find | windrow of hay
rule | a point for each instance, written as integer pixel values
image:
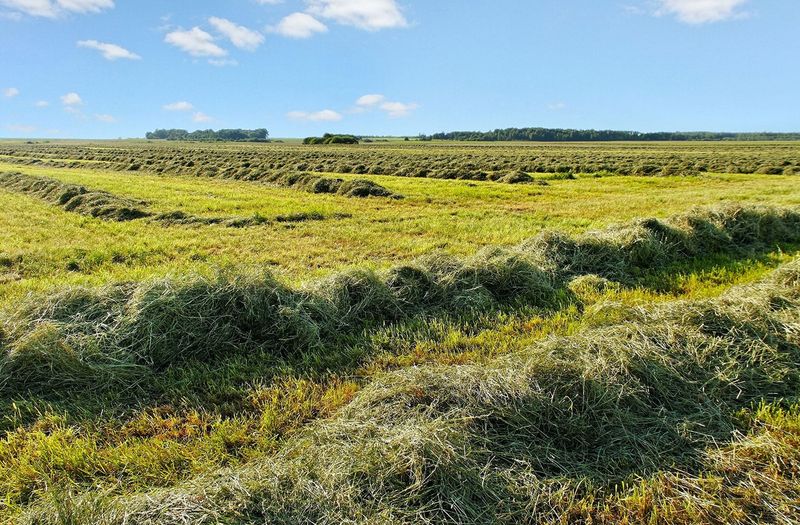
(158, 323)
(74, 198)
(623, 252)
(474, 161)
(673, 416)
(107, 206)
(181, 218)
(318, 184)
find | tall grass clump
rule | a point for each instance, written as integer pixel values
(313, 183)
(683, 413)
(74, 198)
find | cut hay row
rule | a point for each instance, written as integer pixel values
(684, 413)
(95, 338)
(317, 184)
(176, 218)
(107, 206)
(434, 160)
(297, 180)
(75, 198)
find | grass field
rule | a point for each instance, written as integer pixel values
(476, 351)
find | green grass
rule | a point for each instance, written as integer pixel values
(640, 417)
(43, 246)
(636, 375)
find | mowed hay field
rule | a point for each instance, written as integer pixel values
(399, 333)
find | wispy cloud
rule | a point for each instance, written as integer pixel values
(179, 106)
(71, 100)
(10, 92)
(399, 109)
(701, 11)
(240, 36)
(201, 117)
(56, 8)
(223, 62)
(326, 115)
(109, 51)
(377, 101)
(368, 101)
(370, 15)
(195, 42)
(108, 119)
(299, 25)
(42, 104)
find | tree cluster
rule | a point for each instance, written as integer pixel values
(332, 139)
(591, 135)
(223, 135)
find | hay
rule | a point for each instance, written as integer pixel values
(313, 183)
(516, 177)
(566, 427)
(168, 321)
(163, 322)
(76, 199)
(358, 297)
(591, 286)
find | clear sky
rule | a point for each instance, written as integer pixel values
(118, 68)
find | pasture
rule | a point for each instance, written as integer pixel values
(399, 332)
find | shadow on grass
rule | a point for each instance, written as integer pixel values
(221, 385)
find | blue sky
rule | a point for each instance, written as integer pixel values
(118, 68)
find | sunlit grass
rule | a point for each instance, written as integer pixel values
(44, 247)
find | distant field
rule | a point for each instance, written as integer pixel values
(460, 160)
(43, 245)
(495, 329)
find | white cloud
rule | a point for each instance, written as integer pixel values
(398, 109)
(71, 99)
(300, 25)
(108, 119)
(201, 117)
(196, 42)
(556, 106)
(41, 103)
(240, 36)
(43, 8)
(700, 11)
(179, 106)
(10, 92)
(85, 6)
(326, 115)
(371, 15)
(370, 100)
(55, 8)
(269, 2)
(109, 51)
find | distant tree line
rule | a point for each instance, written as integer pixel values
(226, 135)
(591, 135)
(332, 139)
